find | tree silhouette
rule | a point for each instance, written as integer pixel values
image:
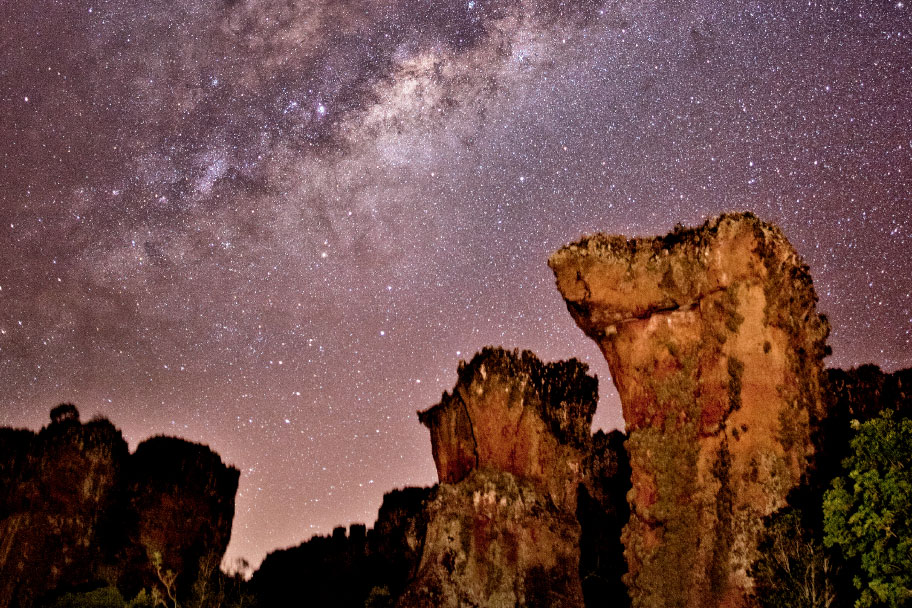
(65, 412)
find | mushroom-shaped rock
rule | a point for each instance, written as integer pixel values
(716, 348)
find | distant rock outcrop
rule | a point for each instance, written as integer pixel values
(77, 510)
(510, 443)
(362, 567)
(716, 348)
(859, 394)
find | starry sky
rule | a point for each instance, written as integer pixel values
(275, 226)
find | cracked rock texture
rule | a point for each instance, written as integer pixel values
(510, 412)
(510, 443)
(716, 348)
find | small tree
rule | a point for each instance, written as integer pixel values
(65, 412)
(168, 580)
(793, 568)
(868, 512)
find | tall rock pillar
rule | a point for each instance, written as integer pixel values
(510, 443)
(716, 349)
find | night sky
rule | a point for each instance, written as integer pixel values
(275, 226)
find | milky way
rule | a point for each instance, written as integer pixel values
(275, 227)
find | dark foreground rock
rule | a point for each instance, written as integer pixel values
(353, 569)
(77, 510)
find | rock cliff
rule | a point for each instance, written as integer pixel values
(180, 504)
(60, 490)
(77, 509)
(716, 348)
(510, 412)
(510, 443)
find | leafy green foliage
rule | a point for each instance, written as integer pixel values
(105, 597)
(867, 513)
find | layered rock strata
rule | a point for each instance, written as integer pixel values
(716, 348)
(77, 510)
(509, 443)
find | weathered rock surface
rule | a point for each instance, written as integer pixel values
(494, 539)
(67, 519)
(510, 443)
(716, 348)
(510, 412)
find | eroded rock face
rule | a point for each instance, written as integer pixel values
(495, 540)
(509, 443)
(510, 412)
(67, 519)
(716, 348)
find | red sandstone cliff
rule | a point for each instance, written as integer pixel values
(509, 443)
(716, 349)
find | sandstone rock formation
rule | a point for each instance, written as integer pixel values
(510, 444)
(495, 540)
(60, 488)
(716, 348)
(510, 412)
(67, 518)
(180, 498)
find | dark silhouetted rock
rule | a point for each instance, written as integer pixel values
(716, 349)
(603, 512)
(856, 394)
(180, 497)
(345, 570)
(76, 509)
(59, 490)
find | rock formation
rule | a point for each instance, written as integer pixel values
(77, 510)
(355, 569)
(180, 497)
(528, 506)
(716, 348)
(60, 488)
(510, 444)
